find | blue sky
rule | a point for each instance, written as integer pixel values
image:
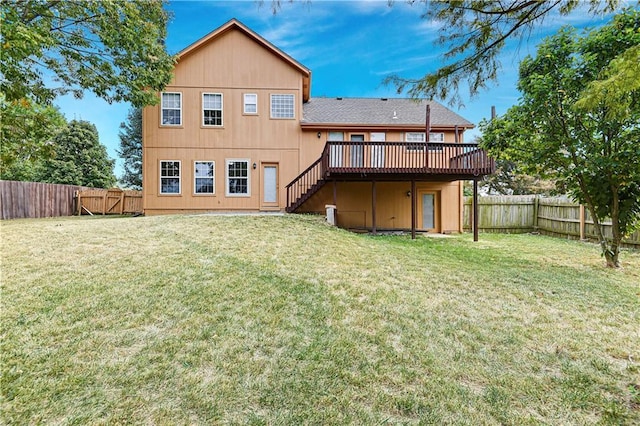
(350, 47)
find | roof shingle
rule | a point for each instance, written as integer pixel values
(378, 112)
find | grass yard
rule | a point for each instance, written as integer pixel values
(285, 320)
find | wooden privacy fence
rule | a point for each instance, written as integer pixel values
(35, 199)
(108, 201)
(557, 216)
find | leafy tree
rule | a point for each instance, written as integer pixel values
(131, 149)
(26, 133)
(113, 48)
(589, 147)
(47, 48)
(78, 158)
(475, 32)
(616, 87)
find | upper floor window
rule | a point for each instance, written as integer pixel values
(436, 137)
(282, 106)
(204, 172)
(335, 136)
(169, 177)
(418, 138)
(250, 103)
(171, 109)
(212, 109)
(414, 137)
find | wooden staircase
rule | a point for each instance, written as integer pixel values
(305, 185)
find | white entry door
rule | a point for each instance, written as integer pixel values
(270, 185)
(430, 210)
(336, 151)
(377, 151)
(357, 151)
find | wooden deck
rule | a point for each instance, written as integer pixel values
(389, 161)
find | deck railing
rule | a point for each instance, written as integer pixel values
(406, 157)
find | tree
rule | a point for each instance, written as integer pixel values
(131, 149)
(588, 147)
(614, 90)
(474, 32)
(113, 48)
(78, 158)
(26, 133)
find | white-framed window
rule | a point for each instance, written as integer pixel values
(171, 109)
(204, 177)
(169, 177)
(414, 137)
(436, 137)
(282, 106)
(212, 109)
(415, 141)
(418, 140)
(237, 176)
(250, 103)
(335, 136)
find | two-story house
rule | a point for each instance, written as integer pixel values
(237, 130)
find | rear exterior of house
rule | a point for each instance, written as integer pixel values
(237, 130)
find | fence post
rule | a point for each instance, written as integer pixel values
(536, 209)
(79, 198)
(582, 222)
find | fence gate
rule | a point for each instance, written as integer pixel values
(109, 201)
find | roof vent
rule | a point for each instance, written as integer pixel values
(383, 99)
(395, 115)
(339, 99)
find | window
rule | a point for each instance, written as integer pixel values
(212, 109)
(169, 177)
(335, 136)
(204, 172)
(250, 103)
(282, 106)
(436, 137)
(171, 109)
(414, 137)
(237, 177)
(418, 138)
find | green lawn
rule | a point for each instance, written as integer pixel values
(285, 320)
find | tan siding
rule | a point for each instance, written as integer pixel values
(187, 200)
(393, 205)
(247, 68)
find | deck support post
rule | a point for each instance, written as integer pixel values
(475, 210)
(413, 209)
(335, 199)
(335, 192)
(427, 132)
(373, 207)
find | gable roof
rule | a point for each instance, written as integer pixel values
(378, 112)
(234, 24)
